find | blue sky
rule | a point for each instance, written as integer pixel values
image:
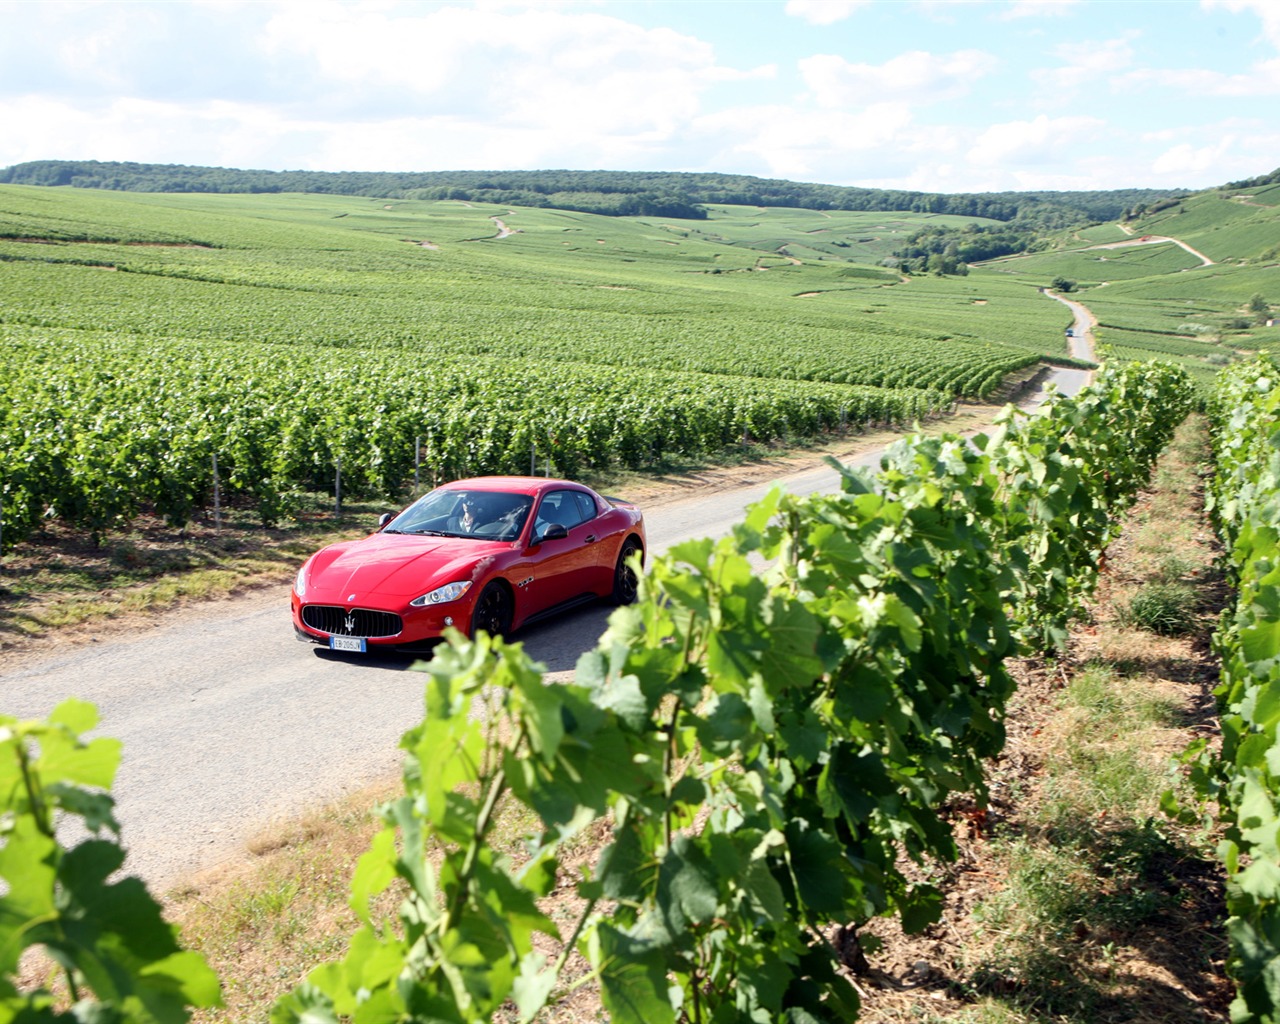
(936, 95)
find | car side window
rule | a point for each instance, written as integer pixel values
(560, 507)
(586, 505)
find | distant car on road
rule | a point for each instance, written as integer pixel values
(492, 553)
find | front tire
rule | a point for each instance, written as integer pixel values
(626, 583)
(493, 612)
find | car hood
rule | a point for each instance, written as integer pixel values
(396, 566)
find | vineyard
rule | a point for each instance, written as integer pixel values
(1095, 265)
(764, 759)
(164, 350)
(100, 427)
(761, 750)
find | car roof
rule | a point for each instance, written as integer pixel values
(513, 484)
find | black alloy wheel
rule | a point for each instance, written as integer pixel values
(493, 612)
(626, 584)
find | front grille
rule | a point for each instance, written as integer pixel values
(363, 621)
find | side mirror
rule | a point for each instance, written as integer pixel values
(385, 518)
(554, 531)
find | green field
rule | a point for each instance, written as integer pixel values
(344, 272)
(289, 333)
(1235, 225)
(1100, 234)
(1154, 300)
(1094, 266)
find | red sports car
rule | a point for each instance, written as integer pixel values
(492, 553)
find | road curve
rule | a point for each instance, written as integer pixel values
(1082, 340)
(228, 723)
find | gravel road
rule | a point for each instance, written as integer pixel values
(229, 723)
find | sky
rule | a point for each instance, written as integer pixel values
(928, 95)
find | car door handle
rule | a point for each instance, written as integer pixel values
(591, 539)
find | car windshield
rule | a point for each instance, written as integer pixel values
(487, 515)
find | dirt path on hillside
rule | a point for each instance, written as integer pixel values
(1083, 344)
(1154, 240)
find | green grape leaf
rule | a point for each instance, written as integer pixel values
(633, 978)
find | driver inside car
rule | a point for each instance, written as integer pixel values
(470, 516)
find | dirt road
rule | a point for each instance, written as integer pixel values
(1082, 341)
(1156, 240)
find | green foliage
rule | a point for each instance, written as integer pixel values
(1159, 301)
(765, 750)
(119, 959)
(1244, 777)
(1254, 183)
(1055, 510)
(96, 428)
(1090, 267)
(1223, 224)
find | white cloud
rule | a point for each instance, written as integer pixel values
(1268, 11)
(1036, 142)
(823, 12)
(1263, 79)
(1040, 8)
(1212, 153)
(573, 89)
(880, 141)
(575, 73)
(1191, 161)
(916, 77)
(388, 84)
(223, 134)
(1084, 62)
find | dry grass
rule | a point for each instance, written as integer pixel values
(265, 922)
(59, 583)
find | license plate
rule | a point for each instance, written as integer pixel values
(347, 643)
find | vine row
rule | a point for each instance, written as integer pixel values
(93, 430)
(1243, 777)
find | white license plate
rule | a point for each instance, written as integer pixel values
(347, 643)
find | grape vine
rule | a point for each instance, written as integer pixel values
(1244, 776)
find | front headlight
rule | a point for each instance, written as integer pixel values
(443, 595)
(300, 584)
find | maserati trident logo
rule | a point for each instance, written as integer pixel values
(349, 623)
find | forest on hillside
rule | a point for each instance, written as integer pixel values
(612, 193)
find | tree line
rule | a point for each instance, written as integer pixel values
(947, 250)
(612, 193)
